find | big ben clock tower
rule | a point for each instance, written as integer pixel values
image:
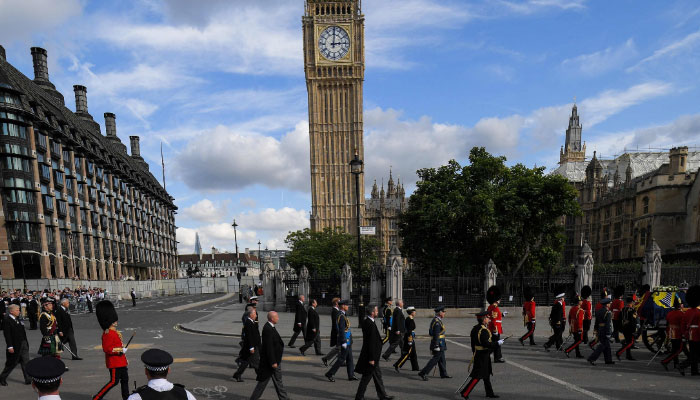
(334, 62)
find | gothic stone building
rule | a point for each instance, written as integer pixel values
(382, 211)
(74, 204)
(630, 199)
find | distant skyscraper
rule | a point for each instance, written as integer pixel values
(197, 245)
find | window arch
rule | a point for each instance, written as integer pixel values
(645, 205)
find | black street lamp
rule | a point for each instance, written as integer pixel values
(259, 257)
(235, 237)
(356, 169)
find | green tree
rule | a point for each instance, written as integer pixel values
(329, 250)
(462, 216)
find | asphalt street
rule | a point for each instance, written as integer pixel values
(205, 363)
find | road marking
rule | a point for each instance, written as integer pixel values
(294, 358)
(183, 360)
(133, 346)
(568, 385)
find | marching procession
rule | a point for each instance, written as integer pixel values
(613, 316)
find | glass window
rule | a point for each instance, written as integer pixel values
(56, 148)
(62, 207)
(41, 139)
(10, 98)
(59, 177)
(645, 205)
(16, 163)
(50, 240)
(45, 172)
(19, 196)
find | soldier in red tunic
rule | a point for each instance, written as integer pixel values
(529, 314)
(493, 296)
(691, 330)
(576, 317)
(587, 311)
(617, 305)
(113, 347)
(674, 333)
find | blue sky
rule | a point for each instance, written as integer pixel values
(221, 84)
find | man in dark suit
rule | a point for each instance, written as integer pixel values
(398, 327)
(17, 351)
(250, 344)
(65, 327)
(313, 330)
(270, 359)
(133, 297)
(32, 312)
(299, 321)
(334, 333)
(368, 363)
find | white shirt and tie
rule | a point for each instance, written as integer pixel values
(159, 385)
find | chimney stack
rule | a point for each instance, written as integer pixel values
(135, 149)
(81, 106)
(41, 68)
(111, 125)
(2, 53)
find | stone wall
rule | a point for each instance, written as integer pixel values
(163, 287)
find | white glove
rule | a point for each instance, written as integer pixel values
(124, 350)
(344, 345)
(436, 349)
(500, 342)
(505, 312)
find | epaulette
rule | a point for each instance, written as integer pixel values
(139, 389)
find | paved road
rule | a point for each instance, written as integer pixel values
(205, 363)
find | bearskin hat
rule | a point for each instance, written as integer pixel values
(604, 293)
(693, 296)
(575, 299)
(106, 314)
(528, 293)
(493, 294)
(619, 291)
(643, 289)
(586, 292)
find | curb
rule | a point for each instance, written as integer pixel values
(200, 303)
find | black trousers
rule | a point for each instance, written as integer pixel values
(345, 357)
(133, 301)
(530, 333)
(603, 347)
(33, 319)
(586, 328)
(394, 341)
(497, 351)
(676, 348)
(334, 351)
(408, 353)
(296, 334)
(472, 383)
(375, 375)
(276, 380)
(89, 303)
(627, 347)
(693, 357)
(556, 338)
(578, 339)
(69, 339)
(116, 375)
(313, 341)
(243, 364)
(439, 359)
(616, 330)
(21, 357)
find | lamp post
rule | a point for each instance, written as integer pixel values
(259, 257)
(235, 237)
(356, 169)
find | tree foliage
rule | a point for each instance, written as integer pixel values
(462, 216)
(329, 250)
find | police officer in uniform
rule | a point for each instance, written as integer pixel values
(408, 351)
(46, 376)
(603, 329)
(482, 346)
(157, 365)
(438, 346)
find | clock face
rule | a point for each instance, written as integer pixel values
(334, 43)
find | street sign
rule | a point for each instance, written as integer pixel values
(368, 230)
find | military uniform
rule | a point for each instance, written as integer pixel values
(628, 325)
(408, 350)
(114, 350)
(617, 305)
(438, 346)
(345, 343)
(49, 334)
(557, 319)
(576, 318)
(387, 316)
(691, 330)
(529, 317)
(674, 333)
(482, 345)
(603, 330)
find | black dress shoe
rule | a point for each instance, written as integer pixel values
(618, 357)
(533, 344)
(521, 342)
(546, 348)
(320, 354)
(579, 356)
(76, 358)
(610, 363)
(302, 352)
(446, 377)
(500, 360)
(566, 354)
(423, 377)
(325, 362)
(330, 378)
(630, 358)
(353, 378)
(387, 398)
(385, 358)
(396, 368)
(492, 396)
(591, 362)
(291, 346)
(3, 383)
(237, 378)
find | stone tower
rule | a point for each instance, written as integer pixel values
(334, 63)
(572, 150)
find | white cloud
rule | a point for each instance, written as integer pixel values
(611, 102)
(533, 6)
(601, 61)
(140, 78)
(21, 19)
(672, 49)
(140, 108)
(232, 160)
(206, 210)
(270, 219)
